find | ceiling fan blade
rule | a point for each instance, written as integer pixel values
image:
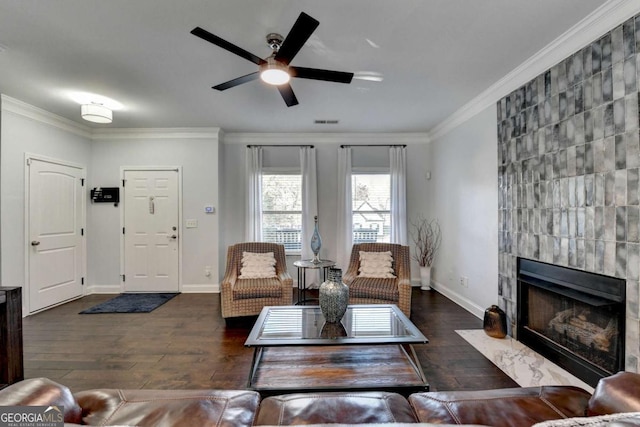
(288, 95)
(316, 74)
(237, 81)
(212, 38)
(297, 37)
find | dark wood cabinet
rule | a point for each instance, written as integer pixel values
(11, 356)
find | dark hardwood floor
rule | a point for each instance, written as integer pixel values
(186, 344)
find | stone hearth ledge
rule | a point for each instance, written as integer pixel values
(522, 364)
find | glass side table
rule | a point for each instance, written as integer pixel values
(308, 264)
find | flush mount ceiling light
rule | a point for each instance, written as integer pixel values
(96, 113)
(274, 72)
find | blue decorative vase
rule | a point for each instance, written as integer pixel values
(334, 296)
(316, 241)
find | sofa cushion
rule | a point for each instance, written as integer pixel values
(335, 407)
(616, 393)
(42, 392)
(232, 408)
(257, 288)
(382, 289)
(502, 407)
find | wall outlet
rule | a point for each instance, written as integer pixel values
(464, 281)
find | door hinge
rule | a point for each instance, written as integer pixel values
(123, 181)
(82, 281)
(122, 230)
(123, 278)
(82, 182)
(28, 162)
(82, 231)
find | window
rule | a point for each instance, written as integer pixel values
(282, 209)
(371, 194)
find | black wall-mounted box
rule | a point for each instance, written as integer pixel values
(105, 195)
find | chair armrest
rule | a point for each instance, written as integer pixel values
(285, 278)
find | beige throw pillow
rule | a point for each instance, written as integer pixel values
(376, 265)
(257, 265)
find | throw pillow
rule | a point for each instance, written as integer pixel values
(376, 265)
(257, 265)
(633, 418)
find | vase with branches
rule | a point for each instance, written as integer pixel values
(426, 236)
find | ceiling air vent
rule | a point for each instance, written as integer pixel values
(327, 122)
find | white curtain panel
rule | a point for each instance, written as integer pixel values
(309, 207)
(398, 177)
(344, 225)
(253, 214)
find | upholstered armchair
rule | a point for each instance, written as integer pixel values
(366, 290)
(246, 297)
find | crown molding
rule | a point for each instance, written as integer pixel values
(156, 133)
(325, 138)
(600, 21)
(21, 108)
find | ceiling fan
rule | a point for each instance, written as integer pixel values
(276, 69)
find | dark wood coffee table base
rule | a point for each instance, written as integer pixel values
(330, 368)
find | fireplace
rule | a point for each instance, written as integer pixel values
(574, 318)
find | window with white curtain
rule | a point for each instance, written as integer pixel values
(282, 208)
(371, 207)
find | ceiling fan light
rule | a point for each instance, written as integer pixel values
(274, 73)
(96, 113)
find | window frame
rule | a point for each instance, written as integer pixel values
(274, 170)
(370, 170)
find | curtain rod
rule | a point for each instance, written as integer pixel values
(375, 145)
(277, 146)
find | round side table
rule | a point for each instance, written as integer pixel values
(305, 264)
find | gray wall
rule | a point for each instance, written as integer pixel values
(24, 130)
(462, 196)
(569, 153)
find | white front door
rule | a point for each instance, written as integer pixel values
(55, 233)
(151, 231)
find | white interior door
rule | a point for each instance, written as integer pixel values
(55, 232)
(151, 231)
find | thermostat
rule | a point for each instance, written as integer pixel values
(209, 209)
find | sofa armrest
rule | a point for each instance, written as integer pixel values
(501, 407)
(42, 392)
(616, 393)
(205, 408)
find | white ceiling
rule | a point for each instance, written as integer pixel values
(434, 55)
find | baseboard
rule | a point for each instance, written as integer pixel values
(203, 288)
(103, 289)
(462, 301)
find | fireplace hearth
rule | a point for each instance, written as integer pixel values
(574, 318)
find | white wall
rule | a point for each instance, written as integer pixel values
(463, 196)
(233, 201)
(197, 154)
(26, 129)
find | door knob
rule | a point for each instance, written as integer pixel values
(34, 243)
(173, 236)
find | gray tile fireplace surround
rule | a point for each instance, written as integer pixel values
(568, 171)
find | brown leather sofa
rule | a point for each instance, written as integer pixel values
(618, 395)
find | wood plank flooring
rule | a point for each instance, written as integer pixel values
(186, 344)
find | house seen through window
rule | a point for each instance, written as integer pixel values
(282, 209)
(371, 195)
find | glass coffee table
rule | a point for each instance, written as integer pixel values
(370, 349)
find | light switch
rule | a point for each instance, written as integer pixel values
(192, 223)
